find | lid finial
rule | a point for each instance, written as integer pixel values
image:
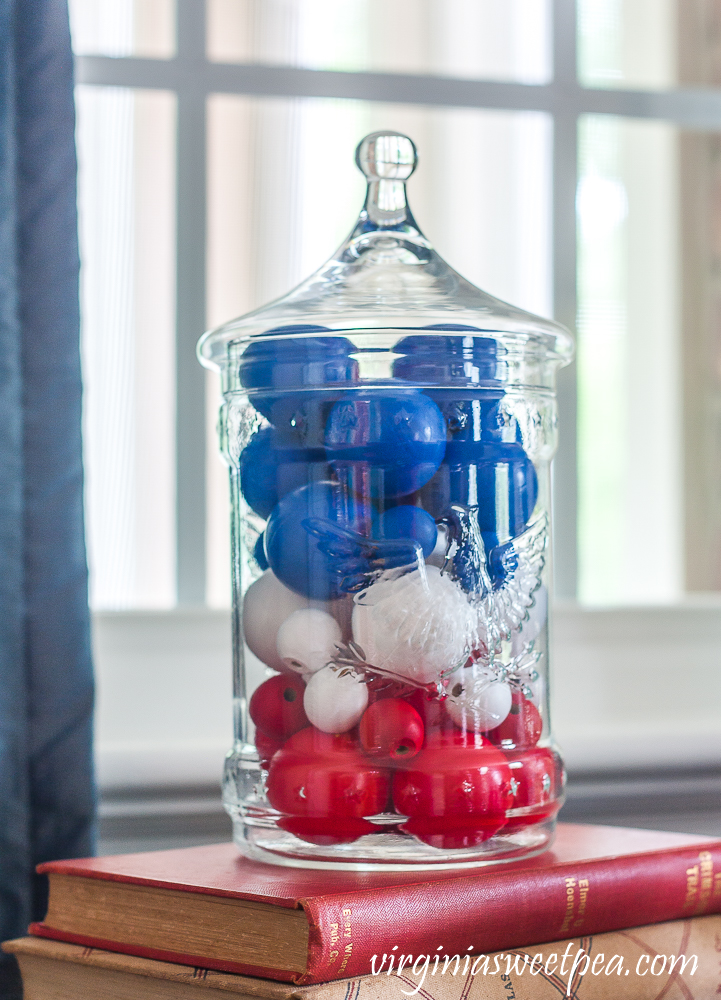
(387, 159)
(386, 156)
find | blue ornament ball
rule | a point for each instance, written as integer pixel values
(507, 489)
(268, 472)
(299, 420)
(500, 426)
(452, 361)
(499, 479)
(466, 414)
(407, 522)
(301, 544)
(465, 376)
(271, 369)
(385, 445)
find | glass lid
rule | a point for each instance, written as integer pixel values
(385, 278)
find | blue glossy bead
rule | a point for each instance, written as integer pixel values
(409, 522)
(385, 445)
(296, 555)
(299, 419)
(480, 415)
(499, 479)
(258, 475)
(469, 416)
(268, 473)
(464, 377)
(498, 424)
(439, 361)
(270, 369)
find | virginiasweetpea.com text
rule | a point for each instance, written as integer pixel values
(518, 963)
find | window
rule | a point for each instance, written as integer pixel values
(567, 164)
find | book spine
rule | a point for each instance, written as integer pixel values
(158, 954)
(352, 934)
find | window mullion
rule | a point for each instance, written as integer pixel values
(190, 305)
(565, 169)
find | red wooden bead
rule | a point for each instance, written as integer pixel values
(434, 716)
(455, 792)
(521, 728)
(325, 832)
(391, 729)
(276, 707)
(537, 784)
(322, 775)
(266, 747)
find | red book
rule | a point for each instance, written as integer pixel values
(210, 907)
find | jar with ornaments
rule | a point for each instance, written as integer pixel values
(388, 430)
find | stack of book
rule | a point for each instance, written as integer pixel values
(607, 912)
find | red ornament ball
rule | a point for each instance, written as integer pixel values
(276, 707)
(391, 729)
(537, 782)
(325, 776)
(324, 832)
(455, 793)
(432, 712)
(266, 747)
(522, 727)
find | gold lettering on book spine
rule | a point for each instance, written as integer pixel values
(691, 887)
(706, 863)
(701, 885)
(583, 890)
(570, 884)
(347, 934)
(334, 939)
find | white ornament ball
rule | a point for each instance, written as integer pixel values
(477, 701)
(334, 700)
(417, 626)
(266, 606)
(307, 640)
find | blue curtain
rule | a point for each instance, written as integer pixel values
(46, 688)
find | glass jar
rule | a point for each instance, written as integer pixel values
(389, 429)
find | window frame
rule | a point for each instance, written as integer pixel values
(192, 77)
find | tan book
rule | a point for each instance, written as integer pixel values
(678, 960)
